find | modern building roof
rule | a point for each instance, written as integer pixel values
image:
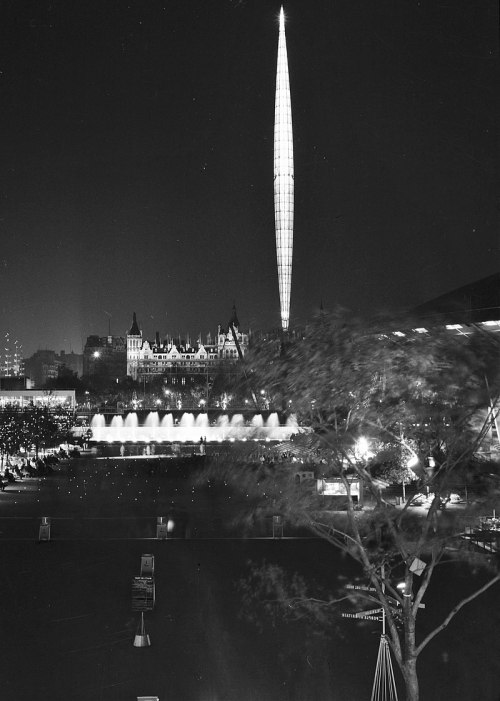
(474, 303)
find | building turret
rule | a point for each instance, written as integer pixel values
(227, 346)
(134, 329)
(234, 319)
(134, 345)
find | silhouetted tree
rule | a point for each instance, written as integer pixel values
(358, 389)
(11, 434)
(39, 428)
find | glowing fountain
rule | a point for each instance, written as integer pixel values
(98, 421)
(190, 427)
(151, 425)
(116, 422)
(130, 428)
(116, 425)
(167, 421)
(273, 420)
(237, 427)
(257, 424)
(202, 421)
(152, 420)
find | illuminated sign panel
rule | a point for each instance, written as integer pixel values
(336, 488)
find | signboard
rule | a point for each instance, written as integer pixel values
(371, 612)
(362, 587)
(417, 566)
(44, 532)
(161, 531)
(360, 616)
(147, 565)
(336, 488)
(143, 594)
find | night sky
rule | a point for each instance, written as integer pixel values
(137, 160)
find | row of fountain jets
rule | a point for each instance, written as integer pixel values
(190, 428)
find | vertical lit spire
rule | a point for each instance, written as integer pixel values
(283, 176)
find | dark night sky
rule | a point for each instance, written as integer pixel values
(137, 172)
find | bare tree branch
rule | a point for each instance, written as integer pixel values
(455, 610)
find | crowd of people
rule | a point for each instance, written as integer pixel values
(16, 468)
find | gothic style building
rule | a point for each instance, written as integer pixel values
(179, 361)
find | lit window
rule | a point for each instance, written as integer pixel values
(452, 327)
(398, 333)
(420, 330)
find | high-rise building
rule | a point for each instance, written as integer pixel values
(283, 176)
(11, 361)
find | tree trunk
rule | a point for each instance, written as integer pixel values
(411, 679)
(409, 667)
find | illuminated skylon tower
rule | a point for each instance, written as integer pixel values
(283, 177)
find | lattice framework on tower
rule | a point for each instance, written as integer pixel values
(283, 177)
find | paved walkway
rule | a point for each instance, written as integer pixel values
(68, 627)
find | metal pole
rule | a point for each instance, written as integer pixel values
(383, 591)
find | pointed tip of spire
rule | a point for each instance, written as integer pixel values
(134, 329)
(282, 18)
(234, 318)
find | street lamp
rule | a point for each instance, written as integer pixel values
(362, 449)
(407, 594)
(402, 588)
(410, 464)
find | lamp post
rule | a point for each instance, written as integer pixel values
(410, 464)
(405, 589)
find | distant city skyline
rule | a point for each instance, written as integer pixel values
(137, 145)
